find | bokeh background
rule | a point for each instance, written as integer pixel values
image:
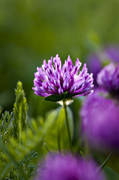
(31, 30)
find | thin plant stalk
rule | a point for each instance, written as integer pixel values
(67, 124)
(59, 140)
(106, 160)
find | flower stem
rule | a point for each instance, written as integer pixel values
(105, 161)
(58, 140)
(67, 124)
(58, 133)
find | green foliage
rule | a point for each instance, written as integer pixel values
(32, 30)
(12, 124)
(21, 151)
(31, 139)
(5, 133)
(5, 126)
(20, 111)
(57, 137)
(112, 175)
(22, 144)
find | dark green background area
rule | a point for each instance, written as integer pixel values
(31, 30)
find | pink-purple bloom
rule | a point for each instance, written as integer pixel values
(94, 65)
(100, 121)
(97, 60)
(108, 78)
(53, 78)
(112, 53)
(67, 167)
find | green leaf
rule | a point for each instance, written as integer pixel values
(111, 174)
(5, 126)
(10, 158)
(20, 111)
(33, 138)
(64, 132)
(57, 136)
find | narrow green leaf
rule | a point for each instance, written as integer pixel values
(20, 111)
(111, 174)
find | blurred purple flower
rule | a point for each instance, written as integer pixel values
(67, 167)
(112, 53)
(94, 65)
(108, 78)
(96, 61)
(54, 79)
(100, 121)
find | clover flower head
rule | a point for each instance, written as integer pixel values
(112, 53)
(108, 78)
(100, 119)
(67, 167)
(96, 61)
(53, 78)
(94, 65)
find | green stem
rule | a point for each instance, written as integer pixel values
(58, 133)
(67, 124)
(59, 141)
(105, 161)
(19, 122)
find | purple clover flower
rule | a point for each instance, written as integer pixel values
(53, 78)
(100, 119)
(108, 78)
(97, 60)
(67, 167)
(94, 65)
(112, 53)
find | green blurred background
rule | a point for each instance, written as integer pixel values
(31, 30)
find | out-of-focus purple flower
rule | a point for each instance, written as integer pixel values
(94, 65)
(112, 53)
(67, 167)
(53, 78)
(100, 121)
(97, 60)
(108, 78)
